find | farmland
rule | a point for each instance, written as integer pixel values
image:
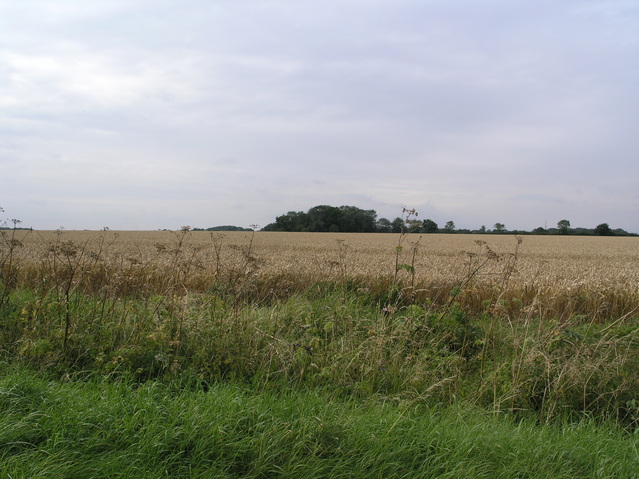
(596, 277)
(537, 329)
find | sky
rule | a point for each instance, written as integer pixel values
(153, 114)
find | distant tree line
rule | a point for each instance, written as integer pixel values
(328, 219)
(4, 224)
(223, 228)
(351, 219)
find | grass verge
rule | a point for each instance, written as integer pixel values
(103, 428)
(338, 337)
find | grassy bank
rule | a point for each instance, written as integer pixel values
(105, 428)
(336, 336)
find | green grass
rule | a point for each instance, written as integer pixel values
(337, 337)
(104, 428)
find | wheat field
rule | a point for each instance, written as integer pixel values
(568, 259)
(548, 276)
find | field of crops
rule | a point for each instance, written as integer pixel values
(549, 276)
(583, 258)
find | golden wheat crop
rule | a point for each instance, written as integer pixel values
(546, 275)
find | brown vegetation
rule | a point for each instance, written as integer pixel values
(546, 276)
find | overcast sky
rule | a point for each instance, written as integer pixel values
(147, 114)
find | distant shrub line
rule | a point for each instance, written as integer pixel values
(223, 228)
(351, 219)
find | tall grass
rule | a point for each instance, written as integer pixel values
(101, 429)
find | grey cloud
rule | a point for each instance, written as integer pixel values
(470, 110)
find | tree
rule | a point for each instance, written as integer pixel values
(563, 226)
(322, 217)
(603, 230)
(383, 225)
(291, 221)
(429, 226)
(450, 227)
(357, 220)
(499, 227)
(398, 225)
